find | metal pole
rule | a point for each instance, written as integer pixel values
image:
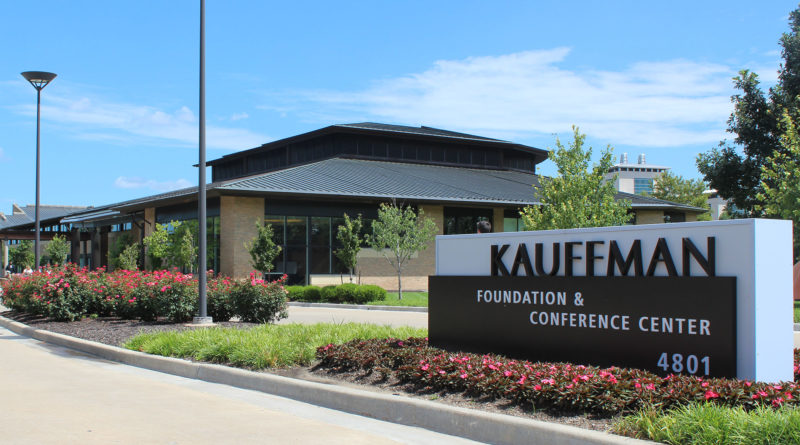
(201, 199)
(36, 211)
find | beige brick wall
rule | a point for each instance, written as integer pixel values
(649, 217)
(238, 218)
(375, 269)
(498, 216)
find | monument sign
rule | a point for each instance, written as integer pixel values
(706, 299)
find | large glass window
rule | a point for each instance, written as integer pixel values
(642, 186)
(308, 245)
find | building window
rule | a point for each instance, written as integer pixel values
(642, 186)
(674, 217)
(464, 220)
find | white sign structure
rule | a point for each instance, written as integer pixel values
(758, 252)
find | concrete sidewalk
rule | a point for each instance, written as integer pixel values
(55, 395)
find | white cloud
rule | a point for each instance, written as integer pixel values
(125, 182)
(239, 116)
(125, 123)
(667, 103)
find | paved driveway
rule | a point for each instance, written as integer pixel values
(55, 395)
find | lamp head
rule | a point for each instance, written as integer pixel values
(39, 79)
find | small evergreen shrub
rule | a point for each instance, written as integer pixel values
(296, 293)
(328, 294)
(312, 294)
(371, 292)
(347, 293)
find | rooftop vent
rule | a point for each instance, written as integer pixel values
(641, 159)
(623, 158)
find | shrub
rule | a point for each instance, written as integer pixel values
(296, 293)
(347, 293)
(218, 299)
(259, 301)
(328, 294)
(178, 300)
(312, 294)
(371, 292)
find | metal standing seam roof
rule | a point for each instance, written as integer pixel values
(379, 179)
(45, 213)
(358, 178)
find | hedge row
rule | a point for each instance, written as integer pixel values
(343, 293)
(68, 293)
(560, 386)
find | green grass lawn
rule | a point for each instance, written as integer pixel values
(265, 346)
(797, 311)
(409, 299)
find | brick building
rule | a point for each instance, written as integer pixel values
(303, 185)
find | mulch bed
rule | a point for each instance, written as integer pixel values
(114, 331)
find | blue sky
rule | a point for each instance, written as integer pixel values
(120, 120)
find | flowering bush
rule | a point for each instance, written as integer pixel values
(546, 385)
(68, 293)
(218, 299)
(259, 301)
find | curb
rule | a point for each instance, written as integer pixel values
(454, 421)
(359, 306)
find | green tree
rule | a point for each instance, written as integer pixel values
(184, 246)
(349, 235)
(736, 171)
(158, 245)
(128, 259)
(263, 249)
(781, 185)
(22, 255)
(398, 234)
(57, 249)
(675, 188)
(121, 242)
(576, 197)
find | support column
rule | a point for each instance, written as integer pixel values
(499, 214)
(75, 245)
(5, 257)
(149, 227)
(95, 248)
(237, 226)
(104, 246)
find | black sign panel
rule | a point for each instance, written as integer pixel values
(662, 324)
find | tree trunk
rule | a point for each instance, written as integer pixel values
(399, 286)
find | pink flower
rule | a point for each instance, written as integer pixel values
(522, 380)
(711, 394)
(507, 373)
(463, 376)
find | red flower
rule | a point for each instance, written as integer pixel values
(711, 394)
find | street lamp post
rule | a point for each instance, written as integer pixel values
(39, 80)
(203, 317)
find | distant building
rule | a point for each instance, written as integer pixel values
(634, 178)
(717, 203)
